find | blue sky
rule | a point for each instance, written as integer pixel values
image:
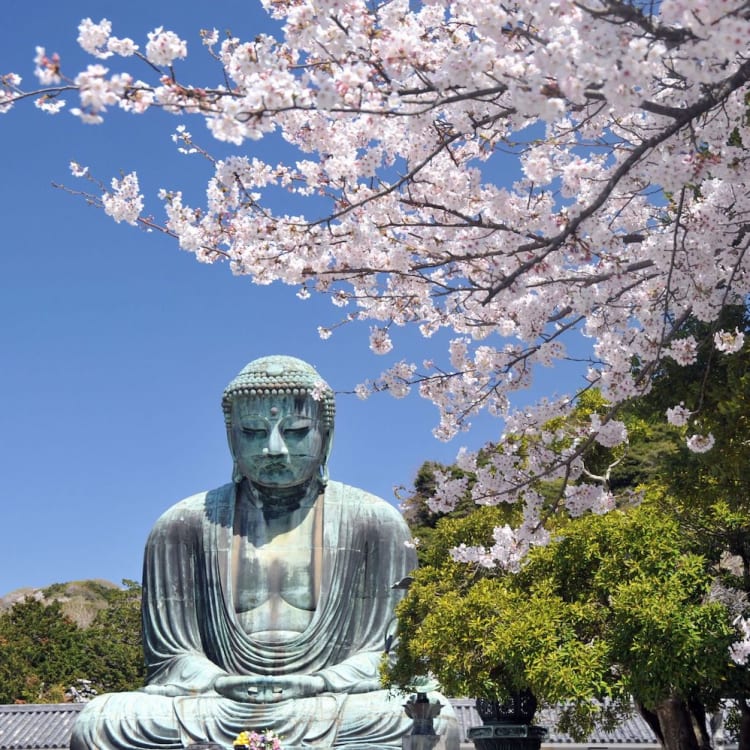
(115, 345)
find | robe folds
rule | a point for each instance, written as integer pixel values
(192, 635)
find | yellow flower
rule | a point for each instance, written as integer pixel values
(243, 738)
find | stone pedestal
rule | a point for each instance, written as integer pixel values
(421, 742)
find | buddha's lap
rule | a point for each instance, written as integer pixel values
(320, 720)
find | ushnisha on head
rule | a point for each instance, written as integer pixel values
(279, 415)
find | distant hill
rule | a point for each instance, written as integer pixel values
(80, 600)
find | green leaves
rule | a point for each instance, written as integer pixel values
(615, 606)
(639, 602)
(43, 652)
(40, 652)
(114, 651)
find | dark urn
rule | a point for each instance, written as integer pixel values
(507, 724)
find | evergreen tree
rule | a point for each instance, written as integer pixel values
(113, 644)
(41, 653)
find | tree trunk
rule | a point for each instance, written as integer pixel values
(651, 719)
(743, 742)
(678, 726)
(700, 728)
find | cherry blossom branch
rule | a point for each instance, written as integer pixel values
(520, 177)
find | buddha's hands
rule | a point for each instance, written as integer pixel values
(253, 689)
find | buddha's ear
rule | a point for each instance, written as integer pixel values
(327, 446)
(236, 476)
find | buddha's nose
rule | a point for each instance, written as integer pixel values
(276, 444)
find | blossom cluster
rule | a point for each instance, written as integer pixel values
(678, 415)
(124, 202)
(248, 740)
(729, 342)
(508, 551)
(620, 217)
(701, 443)
(609, 433)
(740, 650)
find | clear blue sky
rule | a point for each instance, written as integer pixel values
(116, 345)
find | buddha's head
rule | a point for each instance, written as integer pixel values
(279, 416)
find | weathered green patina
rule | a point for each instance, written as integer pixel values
(268, 602)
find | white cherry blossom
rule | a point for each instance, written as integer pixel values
(125, 202)
(164, 47)
(380, 341)
(701, 443)
(78, 170)
(93, 37)
(47, 70)
(609, 433)
(678, 415)
(543, 184)
(51, 106)
(740, 651)
(729, 342)
(684, 351)
(122, 47)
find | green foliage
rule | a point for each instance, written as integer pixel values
(652, 444)
(43, 651)
(473, 529)
(639, 569)
(501, 639)
(114, 649)
(615, 606)
(54, 590)
(639, 602)
(716, 388)
(709, 493)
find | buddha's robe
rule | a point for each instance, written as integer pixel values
(192, 634)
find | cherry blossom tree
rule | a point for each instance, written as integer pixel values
(520, 174)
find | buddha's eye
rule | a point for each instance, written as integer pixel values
(255, 432)
(297, 427)
(298, 432)
(254, 428)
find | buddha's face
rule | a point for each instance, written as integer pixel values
(277, 441)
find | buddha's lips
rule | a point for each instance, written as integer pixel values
(283, 463)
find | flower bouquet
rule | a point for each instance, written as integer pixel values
(257, 741)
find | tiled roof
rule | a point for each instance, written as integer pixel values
(37, 726)
(631, 730)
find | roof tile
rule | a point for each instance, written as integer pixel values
(37, 726)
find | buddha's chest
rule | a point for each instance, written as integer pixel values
(275, 573)
(281, 568)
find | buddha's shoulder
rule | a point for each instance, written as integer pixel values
(354, 497)
(197, 506)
